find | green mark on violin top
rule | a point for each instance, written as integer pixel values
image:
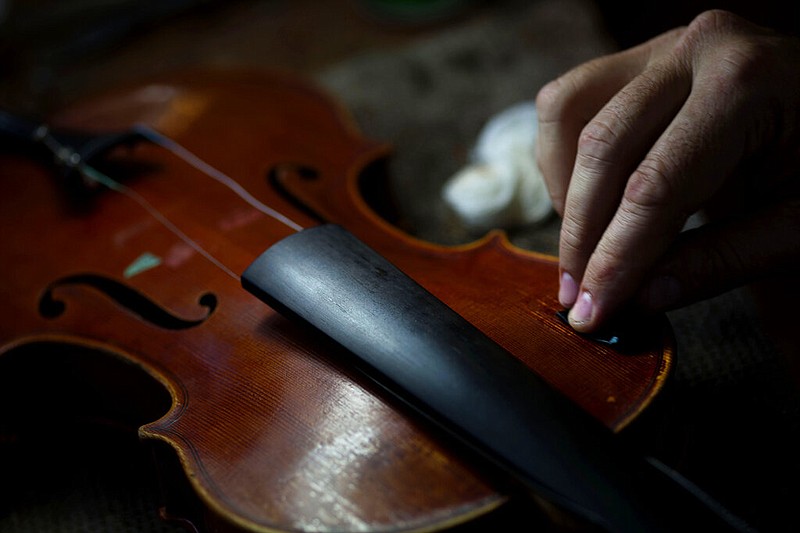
(146, 261)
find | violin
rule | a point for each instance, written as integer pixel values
(132, 249)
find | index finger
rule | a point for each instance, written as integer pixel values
(609, 149)
(684, 168)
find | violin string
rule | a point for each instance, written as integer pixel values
(98, 177)
(194, 161)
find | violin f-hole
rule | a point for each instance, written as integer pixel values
(276, 177)
(126, 297)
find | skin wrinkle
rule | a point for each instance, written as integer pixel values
(571, 232)
(709, 29)
(743, 62)
(604, 152)
(650, 187)
(609, 270)
(564, 107)
(752, 138)
(595, 150)
(607, 263)
(657, 182)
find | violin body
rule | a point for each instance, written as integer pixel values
(263, 417)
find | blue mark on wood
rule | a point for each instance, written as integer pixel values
(144, 262)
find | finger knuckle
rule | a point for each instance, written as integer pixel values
(650, 187)
(742, 65)
(573, 235)
(597, 144)
(606, 269)
(741, 52)
(549, 101)
(712, 21)
(712, 27)
(557, 100)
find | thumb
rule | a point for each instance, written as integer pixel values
(715, 258)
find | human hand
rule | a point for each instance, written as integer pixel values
(705, 117)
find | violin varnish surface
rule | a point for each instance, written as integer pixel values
(273, 430)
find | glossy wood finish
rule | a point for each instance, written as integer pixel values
(273, 433)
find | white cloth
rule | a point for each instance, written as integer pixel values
(502, 186)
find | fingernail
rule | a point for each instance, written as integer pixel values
(581, 313)
(662, 293)
(568, 290)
